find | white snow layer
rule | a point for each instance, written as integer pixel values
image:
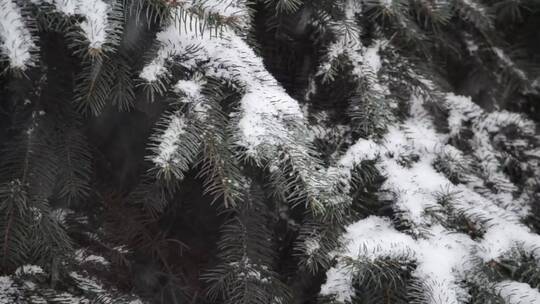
(16, 41)
(21, 287)
(8, 291)
(95, 25)
(224, 8)
(442, 257)
(191, 88)
(29, 270)
(83, 256)
(266, 109)
(517, 293)
(484, 125)
(169, 140)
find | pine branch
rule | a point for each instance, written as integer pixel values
(284, 6)
(94, 85)
(244, 273)
(123, 90)
(219, 167)
(432, 15)
(13, 223)
(314, 245)
(151, 11)
(151, 195)
(99, 32)
(75, 165)
(369, 111)
(382, 281)
(29, 232)
(510, 9)
(476, 13)
(177, 146)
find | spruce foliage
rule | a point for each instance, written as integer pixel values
(269, 151)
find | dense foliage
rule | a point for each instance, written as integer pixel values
(269, 151)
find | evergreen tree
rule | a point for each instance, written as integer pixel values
(269, 151)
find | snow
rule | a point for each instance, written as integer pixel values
(415, 189)
(169, 140)
(225, 8)
(8, 290)
(508, 63)
(86, 283)
(16, 41)
(365, 62)
(82, 256)
(484, 125)
(517, 293)
(266, 109)
(472, 47)
(263, 115)
(374, 238)
(494, 122)
(405, 156)
(312, 245)
(442, 260)
(474, 5)
(94, 27)
(339, 281)
(25, 287)
(29, 270)
(363, 149)
(151, 72)
(191, 88)
(502, 237)
(96, 24)
(66, 297)
(372, 58)
(414, 186)
(387, 3)
(443, 257)
(352, 7)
